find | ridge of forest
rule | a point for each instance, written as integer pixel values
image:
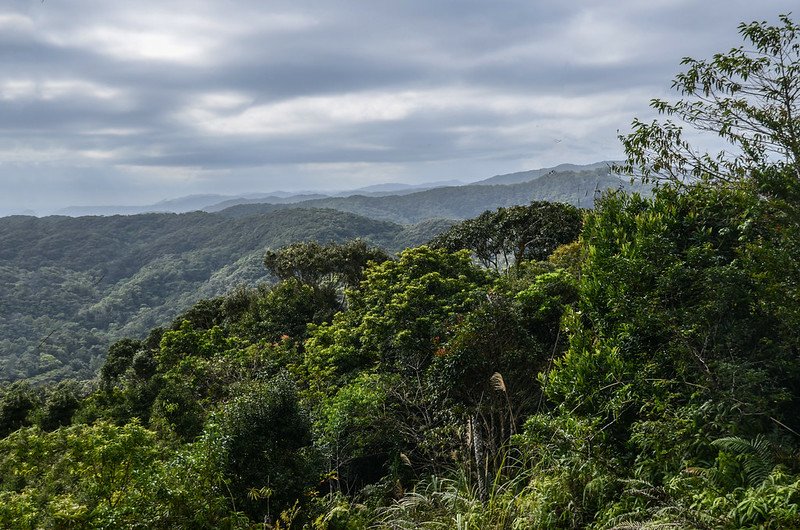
(71, 286)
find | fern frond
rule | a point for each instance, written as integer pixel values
(758, 455)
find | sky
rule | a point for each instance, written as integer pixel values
(107, 102)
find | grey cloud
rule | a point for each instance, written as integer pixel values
(617, 54)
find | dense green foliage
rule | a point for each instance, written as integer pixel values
(283, 394)
(71, 286)
(643, 376)
(506, 236)
(652, 381)
(335, 265)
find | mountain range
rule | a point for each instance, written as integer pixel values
(462, 202)
(217, 202)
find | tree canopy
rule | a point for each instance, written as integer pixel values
(507, 236)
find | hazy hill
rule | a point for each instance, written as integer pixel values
(216, 203)
(526, 176)
(69, 286)
(190, 203)
(180, 205)
(394, 187)
(269, 199)
(377, 190)
(462, 202)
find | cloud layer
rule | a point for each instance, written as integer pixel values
(109, 103)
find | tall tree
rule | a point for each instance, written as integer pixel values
(749, 96)
(337, 264)
(504, 237)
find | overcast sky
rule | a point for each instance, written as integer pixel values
(109, 102)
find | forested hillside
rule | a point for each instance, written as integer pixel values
(73, 285)
(536, 367)
(645, 375)
(70, 286)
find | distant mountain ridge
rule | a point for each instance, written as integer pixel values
(462, 202)
(189, 203)
(217, 202)
(569, 183)
(270, 199)
(527, 176)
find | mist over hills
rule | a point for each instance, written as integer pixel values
(216, 202)
(394, 187)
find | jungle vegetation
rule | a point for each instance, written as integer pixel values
(631, 366)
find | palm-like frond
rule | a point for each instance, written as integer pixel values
(758, 455)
